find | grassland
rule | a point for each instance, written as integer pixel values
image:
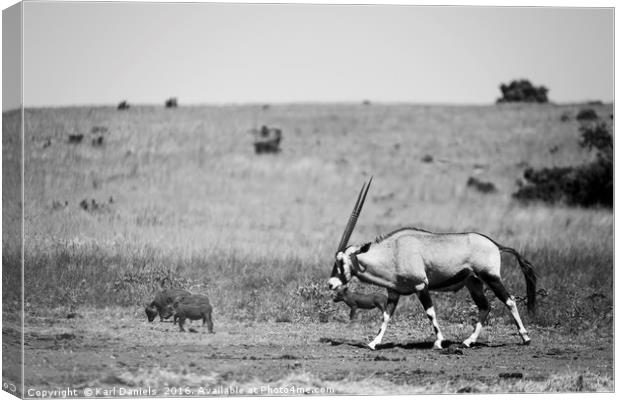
(182, 195)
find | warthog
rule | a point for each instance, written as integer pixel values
(267, 140)
(160, 304)
(360, 300)
(192, 307)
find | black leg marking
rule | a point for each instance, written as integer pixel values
(476, 290)
(496, 285)
(392, 302)
(427, 303)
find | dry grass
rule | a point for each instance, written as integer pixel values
(257, 233)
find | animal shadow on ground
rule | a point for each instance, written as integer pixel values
(447, 344)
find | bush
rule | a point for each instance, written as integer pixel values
(522, 91)
(597, 137)
(584, 185)
(587, 114)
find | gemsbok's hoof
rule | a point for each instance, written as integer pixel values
(371, 346)
(527, 341)
(437, 345)
(467, 343)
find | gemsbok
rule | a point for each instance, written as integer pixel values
(411, 260)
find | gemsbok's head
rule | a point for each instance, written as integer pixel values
(345, 256)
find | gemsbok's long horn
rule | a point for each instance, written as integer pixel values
(357, 209)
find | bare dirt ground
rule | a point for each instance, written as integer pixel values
(118, 350)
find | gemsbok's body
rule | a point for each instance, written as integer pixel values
(411, 260)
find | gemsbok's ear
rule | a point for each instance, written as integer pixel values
(364, 248)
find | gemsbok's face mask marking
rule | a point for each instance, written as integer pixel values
(341, 274)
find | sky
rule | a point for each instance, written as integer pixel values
(101, 53)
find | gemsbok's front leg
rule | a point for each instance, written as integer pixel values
(392, 302)
(427, 303)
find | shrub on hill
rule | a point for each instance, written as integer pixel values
(583, 185)
(587, 114)
(522, 91)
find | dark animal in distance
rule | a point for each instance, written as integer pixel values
(172, 103)
(76, 138)
(192, 307)
(160, 304)
(93, 205)
(361, 300)
(427, 158)
(57, 205)
(267, 140)
(99, 129)
(481, 186)
(123, 105)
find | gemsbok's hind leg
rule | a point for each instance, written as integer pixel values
(476, 290)
(495, 283)
(427, 303)
(387, 313)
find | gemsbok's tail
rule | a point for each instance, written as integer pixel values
(530, 277)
